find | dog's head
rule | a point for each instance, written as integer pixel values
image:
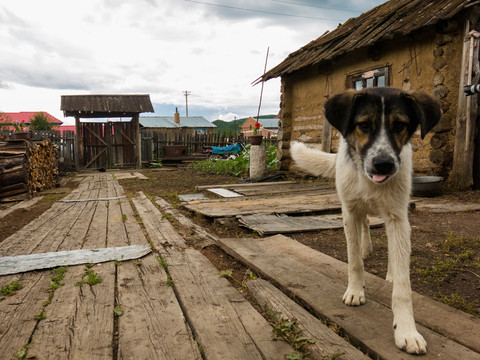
(377, 122)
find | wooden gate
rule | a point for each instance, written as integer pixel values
(108, 145)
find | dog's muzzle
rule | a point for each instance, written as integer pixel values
(383, 168)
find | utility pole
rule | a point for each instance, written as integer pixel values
(186, 93)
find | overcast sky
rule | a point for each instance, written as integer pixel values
(213, 48)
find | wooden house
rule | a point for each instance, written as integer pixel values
(268, 128)
(431, 46)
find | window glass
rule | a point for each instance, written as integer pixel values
(381, 80)
(358, 85)
(370, 82)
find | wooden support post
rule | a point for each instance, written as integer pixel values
(137, 140)
(462, 169)
(79, 144)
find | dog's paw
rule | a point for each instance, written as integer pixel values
(410, 341)
(354, 297)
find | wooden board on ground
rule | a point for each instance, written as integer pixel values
(297, 203)
(22, 263)
(444, 205)
(285, 224)
(224, 192)
(312, 279)
(152, 325)
(192, 197)
(225, 324)
(326, 343)
(272, 188)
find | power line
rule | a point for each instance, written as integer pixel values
(315, 6)
(263, 11)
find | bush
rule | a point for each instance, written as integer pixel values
(40, 122)
(236, 167)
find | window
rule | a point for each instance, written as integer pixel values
(373, 78)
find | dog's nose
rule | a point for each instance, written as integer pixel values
(383, 164)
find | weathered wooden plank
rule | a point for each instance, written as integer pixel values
(284, 224)
(327, 343)
(293, 204)
(116, 232)
(223, 321)
(18, 311)
(246, 185)
(444, 206)
(23, 263)
(283, 259)
(429, 313)
(94, 199)
(140, 175)
(78, 322)
(321, 188)
(152, 325)
(224, 192)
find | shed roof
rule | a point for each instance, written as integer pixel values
(105, 105)
(169, 122)
(393, 19)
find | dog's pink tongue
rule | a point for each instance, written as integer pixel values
(379, 178)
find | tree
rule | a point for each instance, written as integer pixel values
(40, 122)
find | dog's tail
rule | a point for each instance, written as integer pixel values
(313, 161)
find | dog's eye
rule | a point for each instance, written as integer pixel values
(364, 126)
(398, 127)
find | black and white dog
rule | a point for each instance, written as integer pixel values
(373, 173)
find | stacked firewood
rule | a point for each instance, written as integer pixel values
(27, 167)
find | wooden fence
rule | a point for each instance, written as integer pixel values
(66, 143)
(153, 143)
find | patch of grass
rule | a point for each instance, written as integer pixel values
(10, 289)
(163, 262)
(249, 275)
(89, 277)
(124, 217)
(40, 316)
(236, 167)
(118, 310)
(169, 280)
(459, 301)
(156, 164)
(290, 332)
(57, 277)
(22, 352)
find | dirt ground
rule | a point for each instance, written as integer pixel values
(445, 263)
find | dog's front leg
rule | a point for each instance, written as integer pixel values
(407, 337)
(355, 294)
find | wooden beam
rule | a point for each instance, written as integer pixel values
(462, 169)
(79, 144)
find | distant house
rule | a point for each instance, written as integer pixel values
(269, 126)
(431, 46)
(25, 117)
(192, 125)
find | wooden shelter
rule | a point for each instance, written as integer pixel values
(107, 144)
(424, 45)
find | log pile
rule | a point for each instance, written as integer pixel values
(27, 168)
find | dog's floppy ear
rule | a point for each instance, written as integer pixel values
(339, 110)
(427, 110)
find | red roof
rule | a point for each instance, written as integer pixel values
(64, 128)
(26, 116)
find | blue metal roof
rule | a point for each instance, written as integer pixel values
(168, 122)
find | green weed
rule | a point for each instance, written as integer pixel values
(10, 289)
(89, 277)
(40, 316)
(118, 310)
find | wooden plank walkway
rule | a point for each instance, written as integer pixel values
(79, 322)
(450, 334)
